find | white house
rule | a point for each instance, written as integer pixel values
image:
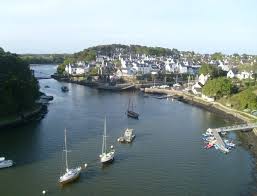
(74, 69)
(182, 69)
(154, 69)
(168, 67)
(223, 66)
(203, 78)
(123, 63)
(143, 68)
(231, 74)
(197, 88)
(244, 75)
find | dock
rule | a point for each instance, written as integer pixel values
(220, 142)
(120, 87)
(242, 127)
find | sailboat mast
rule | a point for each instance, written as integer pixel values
(129, 104)
(66, 152)
(105, 135)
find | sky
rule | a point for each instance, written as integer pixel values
(68, 26)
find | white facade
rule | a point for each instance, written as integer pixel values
(203, 79)
(244, 75)
(231, 74)
(74, 70)
(182, 69)
(224, 67)
(197, 89)
(168, 67)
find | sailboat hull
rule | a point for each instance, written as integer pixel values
(132, 114)
(107, 157)
(70, 177)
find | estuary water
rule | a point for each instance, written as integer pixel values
(166, 158)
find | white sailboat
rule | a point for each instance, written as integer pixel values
(70, 174)
(107, 155)
(5, 163)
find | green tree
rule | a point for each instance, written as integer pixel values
(218, 87)
(18, 87)
(244, 100)
(93, 71)
(208, 69)
(217, 56)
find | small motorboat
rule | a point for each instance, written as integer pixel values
(208, 146)
(5, 163)
(46, 86)
(45, 97)
(223, 133)
(65, 89)
(229, 144)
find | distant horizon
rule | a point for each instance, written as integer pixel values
(67, 53)
(63, 26)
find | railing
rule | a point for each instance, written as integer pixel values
(236, 127)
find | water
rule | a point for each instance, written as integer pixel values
(166, 157)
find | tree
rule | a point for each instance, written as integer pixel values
(244, 100)
(218, 87)
(61, 69)
(18, 87)
(208, 69)
(217, 56)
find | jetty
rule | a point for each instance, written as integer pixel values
(118, 87)
(220, 142)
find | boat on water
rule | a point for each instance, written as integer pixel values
(65, 89)
(130, 112)
(70, 174)
(163, 97)
(229, 144)
(107, 155)
(5, 163)
(128, 136)
(209, 145)
(46, 97)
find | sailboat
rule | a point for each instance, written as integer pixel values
(5, 163)
(107, 156)
(70, 174)
(130, 112)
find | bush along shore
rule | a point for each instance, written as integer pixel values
(19, 90)
(37, 113)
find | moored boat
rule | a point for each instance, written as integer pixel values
(5, 163)
(65, 89)
(70, 174)
(130, 112)
(128, 136)
(106, 156)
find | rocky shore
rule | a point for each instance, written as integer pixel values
(26, 117)
(215, 107)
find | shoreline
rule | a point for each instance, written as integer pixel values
(214, 107)
(27, 117)
(249, 139)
